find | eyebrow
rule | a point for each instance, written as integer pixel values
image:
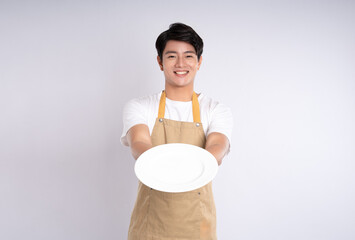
(169, 52)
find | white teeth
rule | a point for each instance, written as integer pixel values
(180, 72)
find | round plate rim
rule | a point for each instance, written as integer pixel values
(211, 172)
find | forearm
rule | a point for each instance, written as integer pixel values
(137, 148)
(217, 144)
(218, 151)
(139, 140)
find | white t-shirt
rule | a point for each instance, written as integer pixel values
(215, 117)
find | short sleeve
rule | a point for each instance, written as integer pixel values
(134, 112)
(221, 121)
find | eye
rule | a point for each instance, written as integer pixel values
(189, 56)
(171, 56)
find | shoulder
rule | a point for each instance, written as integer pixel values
(212, 106)
(143, 102)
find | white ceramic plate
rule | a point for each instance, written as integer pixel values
(176, 167)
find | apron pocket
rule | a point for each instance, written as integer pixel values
(175, 215)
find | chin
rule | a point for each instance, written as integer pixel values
(182, 83)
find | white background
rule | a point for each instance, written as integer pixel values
(286, 68)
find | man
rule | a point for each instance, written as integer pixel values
(176, 115)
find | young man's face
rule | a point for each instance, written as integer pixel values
(179, 64)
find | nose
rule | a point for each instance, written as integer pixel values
(179, 62)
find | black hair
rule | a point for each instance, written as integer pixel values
(179, 32)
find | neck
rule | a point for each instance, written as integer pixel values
(183, 94)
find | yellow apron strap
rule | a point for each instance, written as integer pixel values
(195, 107)
(162, 105)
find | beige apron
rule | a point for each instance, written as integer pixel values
(175, 216)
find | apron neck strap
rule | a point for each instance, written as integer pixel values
(195, 107)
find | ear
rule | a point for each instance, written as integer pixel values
(199, 63)
(160, 63)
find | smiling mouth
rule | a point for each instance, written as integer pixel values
(181, 72)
